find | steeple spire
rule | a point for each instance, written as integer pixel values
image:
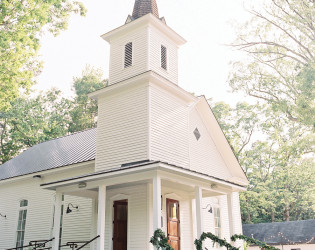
(143, 7)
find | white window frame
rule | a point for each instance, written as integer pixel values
(217, 206)
(24, 208)
(61, 217)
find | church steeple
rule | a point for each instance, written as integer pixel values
(144, 44)
(143, 7)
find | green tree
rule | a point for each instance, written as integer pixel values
(279, 71)
(31, 121)
(21, 24)
(84, 111)
(277, 157)
(280, 64)
(238, 124)
(49, 115)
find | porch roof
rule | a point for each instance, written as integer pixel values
(138, 167)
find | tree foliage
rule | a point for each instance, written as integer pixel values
(279, 72)
(32, 120)
(280, 67)
(21, 24)
(277, 157)
(84, 112)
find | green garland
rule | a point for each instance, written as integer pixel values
(160, 241)
(215, 239)
(253, 241)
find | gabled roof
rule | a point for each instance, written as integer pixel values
(282, 233)
(76, 148)
(143, 7)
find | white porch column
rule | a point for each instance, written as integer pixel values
(101, 217)
(230, 210)
(235, 217)
(57, 217)
(93, 223)
(156, 202)
(199, 219)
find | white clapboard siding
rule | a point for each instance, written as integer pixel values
(77, 225)
(168, 128)
(117, 70)
(122, 132)
(39, 211)
(208, 218)
(204, 155)
(157, 39)
(137, 219)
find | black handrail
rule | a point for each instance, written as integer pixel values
(74, 244)
(42, 243)
(17, 248)
(88, 242)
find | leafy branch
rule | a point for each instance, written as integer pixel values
(252, 241)
(160, 241)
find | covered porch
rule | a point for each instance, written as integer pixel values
(136, 199)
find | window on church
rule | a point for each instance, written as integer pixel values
(128, 55)
(217, 222)
(21, 223)
(197, 134)
(163, 57)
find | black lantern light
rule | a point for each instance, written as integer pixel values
(70, 210)
(210, 209)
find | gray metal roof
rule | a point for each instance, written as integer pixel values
(76, 148)
(282, 233)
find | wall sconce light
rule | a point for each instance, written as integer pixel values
(4, 216)
(82, 185)
(210, 209)
(37, 177)
(70, 210)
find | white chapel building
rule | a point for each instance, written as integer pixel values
(157, 159)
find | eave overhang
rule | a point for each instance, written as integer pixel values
(95, 178)
(148, 77)
(146, 20)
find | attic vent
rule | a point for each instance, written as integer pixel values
(163, 57)
(128, 55)
(197, 134)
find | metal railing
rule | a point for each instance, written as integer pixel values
(41, 244)
(34, 245)
(75, 244)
